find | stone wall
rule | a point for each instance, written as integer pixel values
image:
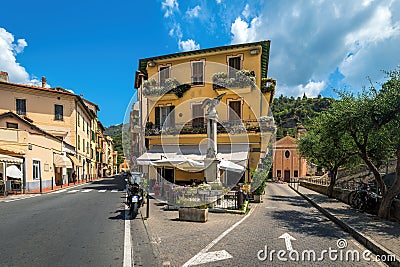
(344, 196)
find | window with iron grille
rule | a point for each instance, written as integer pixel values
(58, 112)
(21, 106)
(198, 73)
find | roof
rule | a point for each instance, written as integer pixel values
(264, 56)
(33, 126)
(57, 90)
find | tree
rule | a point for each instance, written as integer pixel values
(326, 147)
(371, 119)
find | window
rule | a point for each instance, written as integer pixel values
(234, 64)
(79, 119)
(197, 116)
(58, 112)
(197, 73)
(83, 125)
(165, 117)
(164, 74)
(87, 148)
(83, 145)
(21, 106)
(12, 125)
(235, 111)
(79, 142)
(36, 169)
(287, 154)
(296, 173)
(279, 173)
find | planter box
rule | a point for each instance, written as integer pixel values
(193, 214)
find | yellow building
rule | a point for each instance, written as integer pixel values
(61, 114)
(171, 90)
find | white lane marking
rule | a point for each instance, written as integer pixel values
(127, 241)
(73, 191)
(215, 241)
(114, 191)
(86, 190)
(211, 257)
(102, 190)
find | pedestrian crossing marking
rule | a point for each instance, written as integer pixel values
(73, 191)
(86, 190)
(102, 191)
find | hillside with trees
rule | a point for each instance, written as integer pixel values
(288, 112)
(115, 132)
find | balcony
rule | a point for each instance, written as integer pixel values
(170, 89)
(243, 82)
(229, 127)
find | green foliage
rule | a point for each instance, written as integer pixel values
(289, 112)
(115, 132)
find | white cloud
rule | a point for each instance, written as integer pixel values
(219, 1)
(311, 39)
(194, 12)
(188, 45)
(169, 6)
(176, 31)
(8, 61)
(243, 32)
(246, 11)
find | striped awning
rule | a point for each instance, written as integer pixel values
(9, 159)
(62, 161)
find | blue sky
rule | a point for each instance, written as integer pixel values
(93, 47)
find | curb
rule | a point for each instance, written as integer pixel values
(365, 240)
(156, 251)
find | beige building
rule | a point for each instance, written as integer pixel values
(61, 114)
(43, 159)
(287, 160)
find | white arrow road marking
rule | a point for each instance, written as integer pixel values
(114, 191)
(288, 242)
(73, 191)
(86, 190)
(215, 241)
(211, 257)
(102, 190)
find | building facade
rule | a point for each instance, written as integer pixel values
(172, 119)
(288, 162)
(62, 116)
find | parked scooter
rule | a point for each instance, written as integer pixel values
(134, 196)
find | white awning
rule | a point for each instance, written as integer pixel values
(13, 172)
(62, 161)
(9, 159)
(230, 166)
(235, 153)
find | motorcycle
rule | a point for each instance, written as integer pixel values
(134, 199)
(364, 198)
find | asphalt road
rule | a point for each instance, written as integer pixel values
(80, 226)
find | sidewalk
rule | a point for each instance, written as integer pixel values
(379, 236)
(50, 189)
(174, 241)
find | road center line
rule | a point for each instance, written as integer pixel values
(127, 241)
(215, 241)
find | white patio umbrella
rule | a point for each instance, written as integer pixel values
(230, 166)
(14, 172)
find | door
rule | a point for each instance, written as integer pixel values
(286, 176)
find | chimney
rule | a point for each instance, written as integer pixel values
(44, 81)
(3, 76)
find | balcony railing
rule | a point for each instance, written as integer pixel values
(169, 86)
(243, 78)
(194, 127)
